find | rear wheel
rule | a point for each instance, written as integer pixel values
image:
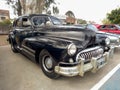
(48, 64)
(13, 47)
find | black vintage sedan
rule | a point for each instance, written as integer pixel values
(58, 49)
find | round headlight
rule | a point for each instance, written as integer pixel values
(107, 41)
(72, 49)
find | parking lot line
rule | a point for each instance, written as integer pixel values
(106, 78)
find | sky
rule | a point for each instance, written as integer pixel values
(90, 10)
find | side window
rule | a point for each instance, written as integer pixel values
(103, 27)
(26, 22)
(18, 23)
(111, 27)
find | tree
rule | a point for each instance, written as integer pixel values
(106, 21)
(39, 6)
(55, 10)
(81, 21)
(36, 6)
(5, 22)
(114, 16)
(48, 12)
(91, 22)
(16, 5)
(23, 5)
(47, 4)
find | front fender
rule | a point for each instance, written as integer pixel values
(58, 49)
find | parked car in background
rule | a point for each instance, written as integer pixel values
(59, 49)
(112, 28)
(114, 38)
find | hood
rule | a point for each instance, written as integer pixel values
(66, 35)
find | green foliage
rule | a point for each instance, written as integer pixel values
(81, 21)
(5, 22)
(106, 21)
(114, 16)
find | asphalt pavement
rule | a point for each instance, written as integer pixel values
(17, 72)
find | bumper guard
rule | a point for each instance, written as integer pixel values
(81, 67)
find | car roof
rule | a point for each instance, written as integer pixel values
(31, 15)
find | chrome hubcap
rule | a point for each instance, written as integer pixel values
(48, 62)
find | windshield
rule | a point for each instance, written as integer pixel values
(55, 21)
(39, 20)
(92, 27)
(45, 20)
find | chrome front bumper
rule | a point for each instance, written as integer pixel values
(81, 67)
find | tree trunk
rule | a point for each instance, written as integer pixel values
(39, 6)
(19, 9)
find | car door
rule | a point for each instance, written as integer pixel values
(103, 28)
(22, 30)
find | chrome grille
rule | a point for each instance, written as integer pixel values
(87, 54)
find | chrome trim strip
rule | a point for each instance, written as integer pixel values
(28, 52)
(29, 49)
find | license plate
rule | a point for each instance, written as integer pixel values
(101, 62)
(70, 70)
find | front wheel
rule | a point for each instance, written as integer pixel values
(48, 64)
